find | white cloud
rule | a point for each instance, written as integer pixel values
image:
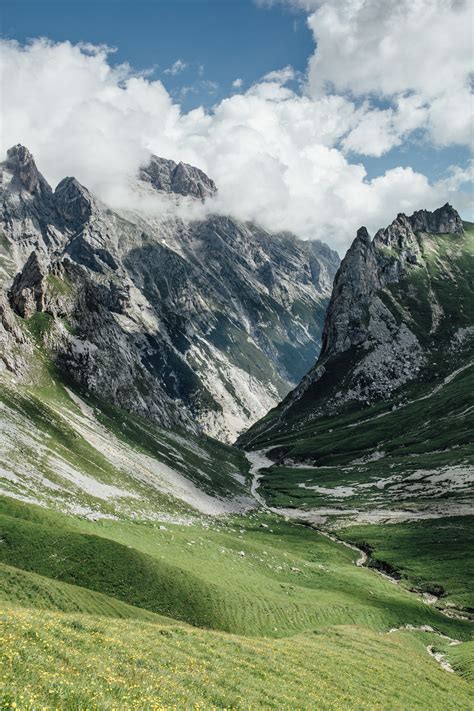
(237, 83)
(176, 67)
(396, 51)
(420, 45)
(275, 155)
(280, 76)
(378, 130)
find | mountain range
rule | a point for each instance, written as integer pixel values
(201, 323)
(321, 561)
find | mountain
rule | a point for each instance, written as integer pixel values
(198, 323)
(143, 551)
(401, 311)
(381, 427)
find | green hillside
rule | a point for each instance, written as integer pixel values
(233, 575)
(73, 453)
(380, 457)
(71, 662)
(78, 595)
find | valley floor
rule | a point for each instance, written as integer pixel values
(116, 594)
(95, 614)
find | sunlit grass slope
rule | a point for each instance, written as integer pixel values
(232, 575)
(70, 662)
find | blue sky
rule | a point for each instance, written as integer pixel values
(291, 147)
(219, 40)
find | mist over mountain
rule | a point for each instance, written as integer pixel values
(199, 323)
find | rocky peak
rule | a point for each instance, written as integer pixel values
(403, 230)
(73, 201)
(444, 220)
(356, 278)
(358, 268)
(390, 320)
(366, 268)
(167, 176)
(363, 236)
(23, 167)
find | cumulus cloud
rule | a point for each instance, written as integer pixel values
(238, 83)
(410, 50)
(278, 156)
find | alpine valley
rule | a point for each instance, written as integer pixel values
(235, 472)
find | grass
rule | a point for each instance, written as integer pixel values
(381, 459)
(25, 589)
(53, 660)
(232, 576)
(59, 286)
(39, 324)
(433, 555)
(461, 657)
(424, 425)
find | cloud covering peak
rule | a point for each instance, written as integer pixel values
(280, 152)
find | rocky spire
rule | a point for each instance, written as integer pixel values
(23, 167)
(356, 278)
(27, 291)
(73, 201)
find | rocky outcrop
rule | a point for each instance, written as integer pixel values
(25, 174)
(180, 178)
(444, 220)
(201, 324)
(28, 289)
(370, 266)
(73, 202)
(28, 216)
(16, 347)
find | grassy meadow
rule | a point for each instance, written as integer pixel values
(434, 555)
(237, 612)
(68, 662)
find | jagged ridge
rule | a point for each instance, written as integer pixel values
(400, 313)
(202, 324)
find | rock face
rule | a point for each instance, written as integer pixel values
(356, 315)
(399, 304)
(180, 178)
(25, 174)
(15, 347)
(28, 288)
(202, 324)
